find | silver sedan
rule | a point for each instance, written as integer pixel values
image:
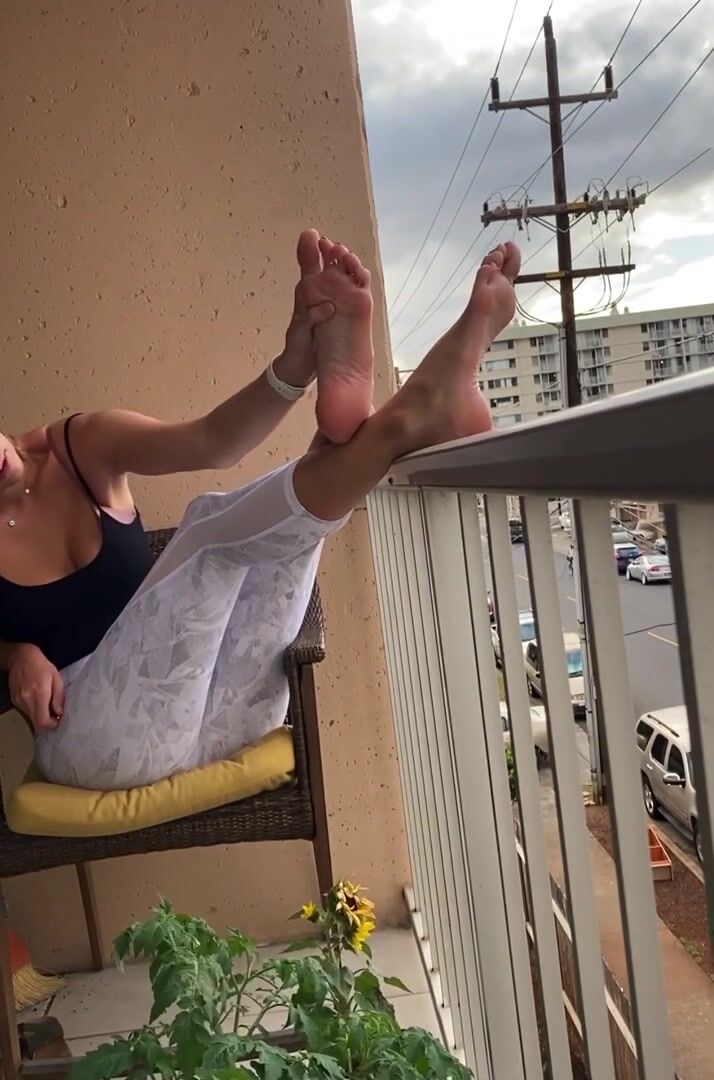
(649, 568)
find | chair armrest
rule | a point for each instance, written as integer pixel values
(309, 645)
(5, 702)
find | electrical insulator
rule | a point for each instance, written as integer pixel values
(495, 90)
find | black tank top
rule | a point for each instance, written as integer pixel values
(68, 618)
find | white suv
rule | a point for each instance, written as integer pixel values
(666, 770)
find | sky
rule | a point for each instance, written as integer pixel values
(425, 66)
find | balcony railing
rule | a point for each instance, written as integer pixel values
(483, 902)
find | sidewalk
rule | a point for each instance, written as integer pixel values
(689, 991)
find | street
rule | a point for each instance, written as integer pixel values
(650, 641)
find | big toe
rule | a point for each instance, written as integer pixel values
(512, 260)
(308, 252)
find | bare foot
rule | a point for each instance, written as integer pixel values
(343, 343)
(442, 400)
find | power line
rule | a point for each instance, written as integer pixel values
(569, 134)
(456, 168)
(680, 170)
(666, 109)
(467, 192)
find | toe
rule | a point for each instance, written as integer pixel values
(326, 246)
(512, 261)
(339, 252)
(495, 257)
(352, 266)
(308, 252)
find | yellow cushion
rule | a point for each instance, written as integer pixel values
(37, 808)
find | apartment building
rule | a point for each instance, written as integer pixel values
(521, 373)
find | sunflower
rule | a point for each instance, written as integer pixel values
(358, 939)
(353, 905)
(309, 912)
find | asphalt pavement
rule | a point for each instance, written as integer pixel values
(650, 634)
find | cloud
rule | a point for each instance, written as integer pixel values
(425, 67)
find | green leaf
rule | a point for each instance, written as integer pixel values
(239, 944)
(276, 1062)
(302, 944)
(107, 1061)
(392, 980)
(326, 1066)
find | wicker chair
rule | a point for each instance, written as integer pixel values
(296, 811)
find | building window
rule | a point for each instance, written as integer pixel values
(534, 342)
(643, 328)
(605, 333)
(507, 421)
(536, 380)
(539, 398)
(501, 346)
(610, 387)
(608, 368)
(646, 346)
(500, 365)
(512, 399)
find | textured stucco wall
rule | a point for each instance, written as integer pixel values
(158, 162)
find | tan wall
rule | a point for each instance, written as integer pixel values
(158, 162)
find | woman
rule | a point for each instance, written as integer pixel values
(131, 671)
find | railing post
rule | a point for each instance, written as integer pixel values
(486, 814)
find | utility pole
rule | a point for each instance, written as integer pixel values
(561, 209)
(563, 212)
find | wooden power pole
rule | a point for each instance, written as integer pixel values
(561, 209)
(564, 212)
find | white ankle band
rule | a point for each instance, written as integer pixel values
(285, 390)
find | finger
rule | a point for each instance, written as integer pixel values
(40, 708)
(57, 700)
(308, 252)
(320, 313)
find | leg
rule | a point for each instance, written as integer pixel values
(91, 914)
(135, 711)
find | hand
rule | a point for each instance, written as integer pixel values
(36, 688)
(297, 365)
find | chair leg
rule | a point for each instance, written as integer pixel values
(91, 914)
(10, 1057)
(321, 842)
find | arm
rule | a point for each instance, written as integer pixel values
(117, 442)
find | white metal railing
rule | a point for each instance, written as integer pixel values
(467, 900)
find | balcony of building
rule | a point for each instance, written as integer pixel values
(179, 158)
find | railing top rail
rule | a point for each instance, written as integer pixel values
(652, 444)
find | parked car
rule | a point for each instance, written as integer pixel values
(564, 521)
(667, 776)
(538, 724)
(648, 568)
(624, 555)
(621, 536)
(660, 545)
(526, 620)
(574, 660)
(645, 530)
(515, 526)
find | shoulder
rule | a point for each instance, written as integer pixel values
(82, 443)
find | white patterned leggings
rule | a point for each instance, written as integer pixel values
(192, 670)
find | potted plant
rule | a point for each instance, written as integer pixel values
(213, 996)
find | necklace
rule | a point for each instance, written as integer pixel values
(12, 522)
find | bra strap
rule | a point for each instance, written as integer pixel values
(73, 463)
